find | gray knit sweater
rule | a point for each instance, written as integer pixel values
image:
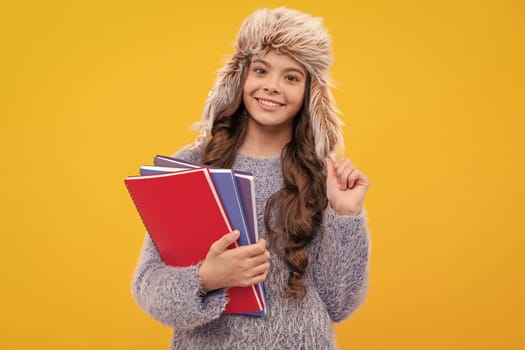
(336, 281)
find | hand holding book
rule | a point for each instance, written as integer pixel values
(239, 267)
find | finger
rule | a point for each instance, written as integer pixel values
(262, 243)
(344, 181)
(262, 277)
(351, 182)
(260, 259)
(258, 278)
(330, 168)
(258, 248)
(252, 250)
(356, 177)
(341, 162)
(224, 242)
(344, 169)
(363, 180)
(261, 269)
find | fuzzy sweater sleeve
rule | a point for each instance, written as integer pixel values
(170, 294)
(341, 264)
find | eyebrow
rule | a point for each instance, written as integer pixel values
(288, 69)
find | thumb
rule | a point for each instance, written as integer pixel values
(224, 242)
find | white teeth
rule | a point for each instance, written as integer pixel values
(269, 103)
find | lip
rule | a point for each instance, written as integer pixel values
(267, 104)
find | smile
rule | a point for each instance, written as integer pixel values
(268, 103)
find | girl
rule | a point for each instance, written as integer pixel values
(270, 112)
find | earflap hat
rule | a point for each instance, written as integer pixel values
(289, 32)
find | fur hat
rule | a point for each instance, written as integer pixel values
(303, 38)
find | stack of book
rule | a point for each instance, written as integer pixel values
(185, 207)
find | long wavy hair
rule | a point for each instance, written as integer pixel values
(293, 214)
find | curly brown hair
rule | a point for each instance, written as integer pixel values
(298, 206)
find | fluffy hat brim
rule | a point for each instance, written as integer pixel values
(303, 38)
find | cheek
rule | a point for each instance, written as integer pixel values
(245, 91)
(249, 85)
(298, 97)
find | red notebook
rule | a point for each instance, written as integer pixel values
(183, 214)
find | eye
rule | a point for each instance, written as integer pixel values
(259, 70)
(292, 78)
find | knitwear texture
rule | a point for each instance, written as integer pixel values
(336, 280)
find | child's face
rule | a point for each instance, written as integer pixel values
(273, 92)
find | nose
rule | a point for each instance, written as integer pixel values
(271, 90)
(271, 85)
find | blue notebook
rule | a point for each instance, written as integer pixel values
(245, 185)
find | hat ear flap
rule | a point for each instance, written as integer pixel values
(224, 97)
(323, 118)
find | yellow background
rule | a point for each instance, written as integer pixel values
(432, 94)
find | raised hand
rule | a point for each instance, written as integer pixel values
(346, 186)
(237, 267)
